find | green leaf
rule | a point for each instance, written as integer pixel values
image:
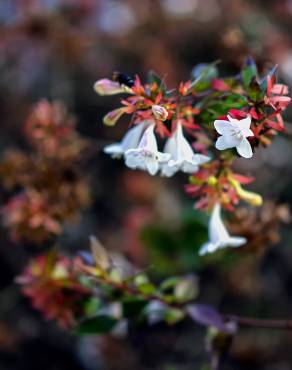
(174, 315)
(147, 288)
(154, 78)
(92, 305)
(169, 283)
(133, 306)
(187, 289)
(249, 72)
(264, 81)
(115, 275)
(158, 238)
(141, 278)
(100, 324)
(203, 74)
(205, 71)
(254, 91)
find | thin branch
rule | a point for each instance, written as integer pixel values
(260, 323)
(248, 322)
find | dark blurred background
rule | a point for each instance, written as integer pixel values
(57, 49)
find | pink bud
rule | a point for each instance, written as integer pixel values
(159, 112)
(112, 117)
(108, 87)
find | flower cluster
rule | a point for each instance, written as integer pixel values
(51, 132)
(216, 182)
(46, 187)
(140, 151)
(152, 109)
(53, 286)
(260, 225)
(222, 114)
(103, 290)
(28, 215)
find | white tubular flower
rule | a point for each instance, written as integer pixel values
(146, 156)
(182, 155)
(234, 135)
(129, 141)
(218, 235)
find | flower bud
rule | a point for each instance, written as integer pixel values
(212, 181)
(112, 117)
(159, 112)
(108, 87)
(250, 197)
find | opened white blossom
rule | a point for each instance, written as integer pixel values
(129, 141)
(234, 135)
(146, 156)
(218, 235)
(183, 157)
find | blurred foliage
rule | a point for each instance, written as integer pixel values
(175, 251)
(56, 50)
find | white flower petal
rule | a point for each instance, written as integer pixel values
(146, 156)
(218, 235)
(233, 121)
(151, 165)
(184, 149)
(168, 170)
(148, 139)
(182, 155)
(236, 241)
(170, 146)
(223, 127)
(245, 122)
(133, 136)
(129, 141)
(246, 132)
(244, 149)
(217, 230)
(163, 157)
(115, 150)
(132, 158)
(208, 248)
(200, 159)
(189, 167)
(226, 142)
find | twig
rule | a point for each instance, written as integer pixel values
(242, 321)
(260, 323)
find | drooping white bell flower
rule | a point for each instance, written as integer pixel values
(146, 156)
(234, 135)
(218, 235)
(129, 141)
(182, 155)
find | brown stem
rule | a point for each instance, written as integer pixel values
(242, 321)
(131, 290)
(260, 323)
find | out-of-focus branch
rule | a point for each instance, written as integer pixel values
(260, 323)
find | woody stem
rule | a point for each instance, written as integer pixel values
(260, 323)
(242, 321)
